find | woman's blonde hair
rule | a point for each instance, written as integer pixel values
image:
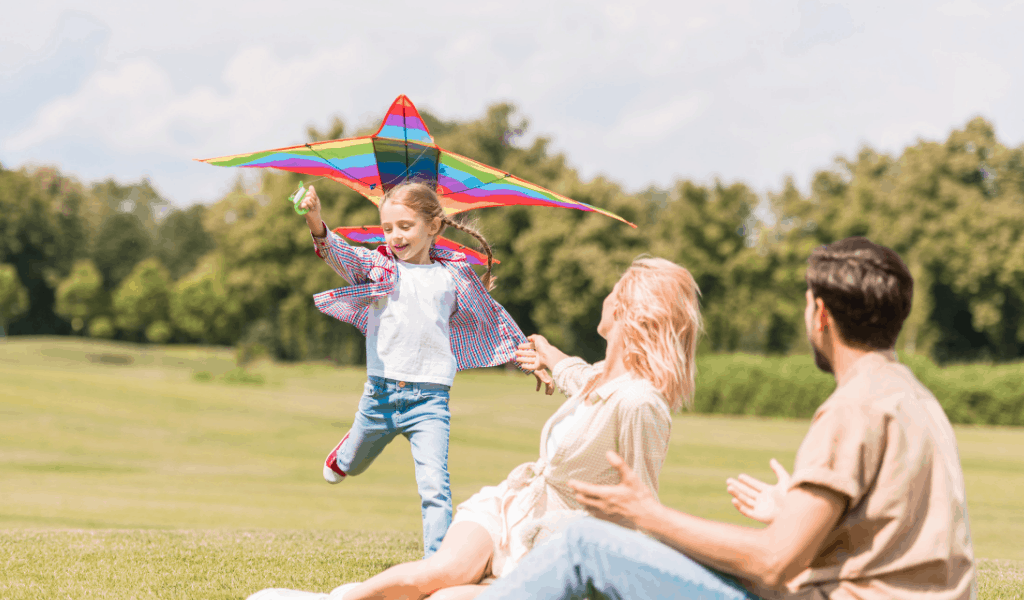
(658, 314)
(423, 200)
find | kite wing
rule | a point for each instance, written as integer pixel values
(375, 235)
(465, 184)
(350, 162)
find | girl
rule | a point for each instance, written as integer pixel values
(425, 315)
(651, 321)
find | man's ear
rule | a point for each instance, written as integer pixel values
(822, 317)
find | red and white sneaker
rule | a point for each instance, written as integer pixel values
(332, 474)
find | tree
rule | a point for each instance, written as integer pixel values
(201, 307)
(182, 240)
(81, 297)
(710, 231)
(138, 199)
(122, 242)
(955, 212)
(143, 298)
(13, 296)
(44, 225)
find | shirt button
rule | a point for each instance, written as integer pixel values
(401, 384)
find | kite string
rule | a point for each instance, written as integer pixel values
(410, 164)
(332, 165)
(482, 183)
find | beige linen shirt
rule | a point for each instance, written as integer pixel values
(628, 416)
(882, 440)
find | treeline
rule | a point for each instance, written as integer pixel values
(116, 261)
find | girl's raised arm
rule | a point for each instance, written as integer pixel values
(351, 263)
(311, 203)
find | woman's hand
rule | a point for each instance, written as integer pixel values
(755, 498)
(312, 202)
(539, 354)
(545, 378)
(526, 356)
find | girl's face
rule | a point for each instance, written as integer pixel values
(406, 232)
(607, 324)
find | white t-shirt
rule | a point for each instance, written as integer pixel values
(407, 331)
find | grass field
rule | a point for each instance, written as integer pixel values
(162, 472)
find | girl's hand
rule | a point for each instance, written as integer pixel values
(312, 202)
(527, 356)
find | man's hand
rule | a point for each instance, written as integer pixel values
(755, 498)
(624, 503)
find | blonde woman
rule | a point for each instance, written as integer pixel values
(623, 403)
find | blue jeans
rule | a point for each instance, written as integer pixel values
(596, 560)
(419, 411)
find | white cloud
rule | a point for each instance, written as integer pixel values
(657, 122)
(135, 108)
(963, 9)
(892, 137)
(974, 83)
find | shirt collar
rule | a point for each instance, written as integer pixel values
(608, 388)
(871, 361)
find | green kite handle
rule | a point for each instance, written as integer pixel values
(297, 197)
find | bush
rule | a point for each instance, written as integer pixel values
(158, 332)
(740, 384)
(743, 384)
(259, 341)
(101, 327)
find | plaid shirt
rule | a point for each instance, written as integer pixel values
(482, 332)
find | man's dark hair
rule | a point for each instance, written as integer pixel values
(866, 287)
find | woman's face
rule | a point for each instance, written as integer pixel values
(407, 234)
(607, 324)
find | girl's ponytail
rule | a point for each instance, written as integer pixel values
(488, 278)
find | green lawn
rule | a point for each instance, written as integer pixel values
(146, 471)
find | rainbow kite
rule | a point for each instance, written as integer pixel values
(401, 150)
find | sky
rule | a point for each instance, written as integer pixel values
(643, 93)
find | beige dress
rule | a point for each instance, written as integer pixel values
(628, 416)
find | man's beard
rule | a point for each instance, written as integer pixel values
(820, 360)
